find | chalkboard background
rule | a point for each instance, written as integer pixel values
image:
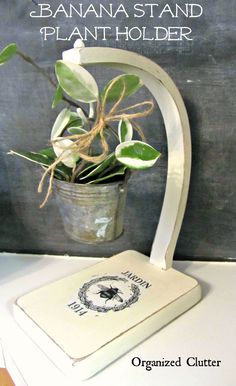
(204, 70)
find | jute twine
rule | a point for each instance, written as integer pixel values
(82, 142)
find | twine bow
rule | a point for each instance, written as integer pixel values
(82, 142)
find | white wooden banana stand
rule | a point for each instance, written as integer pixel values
(143, 295)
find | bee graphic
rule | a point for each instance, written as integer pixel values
(109, 293)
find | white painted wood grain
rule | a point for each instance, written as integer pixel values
(178, 137)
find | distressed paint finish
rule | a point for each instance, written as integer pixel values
(92, 213)
(177, 128)
(205, 73)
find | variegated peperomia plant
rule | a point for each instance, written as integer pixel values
(80, 149)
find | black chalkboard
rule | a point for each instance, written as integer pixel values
(203, 69)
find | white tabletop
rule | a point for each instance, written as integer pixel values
(207, 331)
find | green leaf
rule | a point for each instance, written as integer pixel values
(75, 121)
(76, 130)
(132, 83)
(37, 158)
(57, 97)
(86, 169)
(60, 123)
(49, 152)
(77, 82)
(43, 160)
(64, 171)
(136, 154)
(118, 171)
(125, 130)
(7, 53)
(101, 167)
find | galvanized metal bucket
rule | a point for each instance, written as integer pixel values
(92, 213)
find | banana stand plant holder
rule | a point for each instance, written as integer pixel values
(131, 295)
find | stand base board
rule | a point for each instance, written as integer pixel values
(85, 321)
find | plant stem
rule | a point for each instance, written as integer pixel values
(28, 59)
(77, 170)
(44, 73)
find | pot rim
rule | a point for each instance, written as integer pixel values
(93, 186)
(90, 186)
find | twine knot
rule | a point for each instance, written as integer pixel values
(82, 142)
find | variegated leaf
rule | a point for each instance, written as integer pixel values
(60, 123)
(132, 83)
(101, 167)
(41, 158)
(136, 154)
(77, 82)
(64, 149)
(125, 130)
(76, 130)
(118, 171)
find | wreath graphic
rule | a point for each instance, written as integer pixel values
(82, 294)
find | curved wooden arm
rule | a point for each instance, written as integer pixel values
(178, 138)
